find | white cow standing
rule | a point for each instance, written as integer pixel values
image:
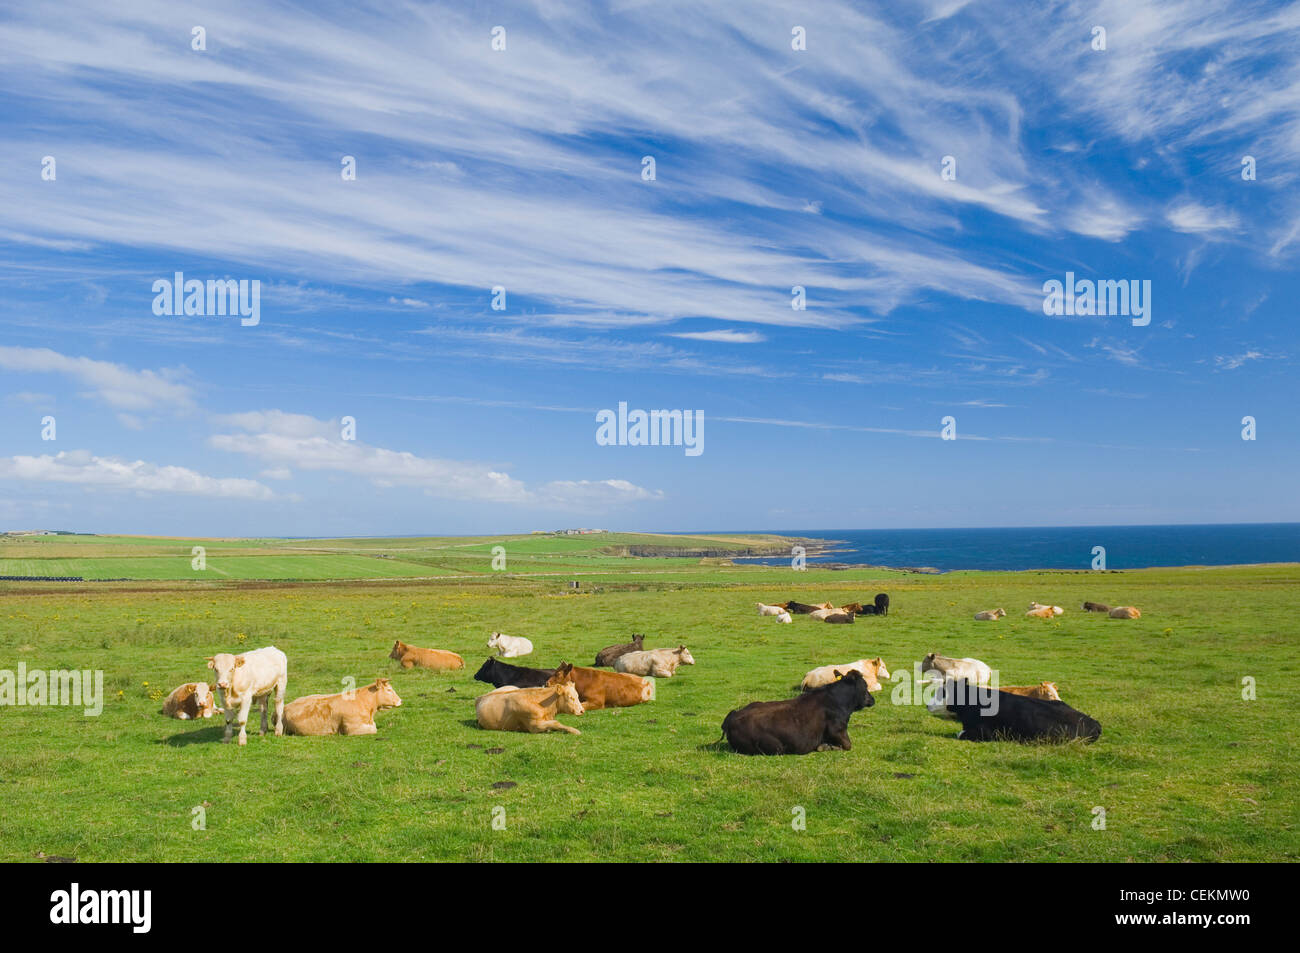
(241, 679)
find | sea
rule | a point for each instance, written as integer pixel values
(1054, 547)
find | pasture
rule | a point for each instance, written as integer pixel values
(1185, 768)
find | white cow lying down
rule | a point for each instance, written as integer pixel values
(769, 610)
(510, 646)
(243, 678)
(937, 667)
(657, 663)
(872, 670)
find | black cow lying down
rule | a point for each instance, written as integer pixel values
(990, 715)
(798, 608)
(497, 673)
(800, 725)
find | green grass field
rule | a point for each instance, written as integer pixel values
(1186, 769)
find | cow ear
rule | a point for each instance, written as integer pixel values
(838, 674)
(212, 662)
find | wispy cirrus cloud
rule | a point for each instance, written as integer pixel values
(118, 386)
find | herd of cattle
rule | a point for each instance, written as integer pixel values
(529, 699)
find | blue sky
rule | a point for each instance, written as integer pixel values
(522, 168)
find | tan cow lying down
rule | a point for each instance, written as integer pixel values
(1044, 690)
(1125, 612)
(191, 700)
(659, 663)
(872, 670)
(346, 713)
(1056, 610)
(253, 676)
(831, 614)
(1045, 612)
(531, 709)
(436, 659)
(990, 615)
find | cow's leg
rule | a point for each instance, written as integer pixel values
(230, 720)
(244, 705)
(407, 663)
(358, 727)
(839, 738)
(279, 706)
(555, 726)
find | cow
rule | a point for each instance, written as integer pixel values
(799, 608)
(987, 714)
(498, 673)
(783, 617)
(989, 615)
(660, 663)
(1095, 607)
(605, 657)
(1044, 690)
(1056, 610)
(764, 609)
(1042, 612)
(437, 659)
(813, 721)
(191, 700)
(879, 607)
(254, 675)
(1125, 612)
(507, 646)
(345, 713)
(533, 710)
(871, 669)
(832, 615)
(596, 689)
(945, 667)
(600, 689)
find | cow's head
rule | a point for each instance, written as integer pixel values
(878, 664)
(638, 639)
(999, 612)
(494, 640)
(1049, 691)
(487, 670)
(684, 655)
(224, 664)
(567, 692)
(856, 686)
(386, 697)
(927, 663)
(398, 650)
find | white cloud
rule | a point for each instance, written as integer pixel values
(81, 467)
(1198, 219)
(118, 386)
(723, 336)
(305, 443)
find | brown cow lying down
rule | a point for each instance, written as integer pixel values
(531, 709)
(436, 659)
(599, 689)
(605, 657)
(1125, 612)
(1095, 607)
(191, 700)
(345, 713)
(812, 721)
(1044, 690)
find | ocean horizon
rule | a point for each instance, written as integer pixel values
(1051, 547)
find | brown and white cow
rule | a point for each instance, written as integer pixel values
(437, 659)
(871, 669)
(344, 713)
(191, 700)
(600, 689)
(990, 615)
(252, 676)
(1125, 612)
(531, 709)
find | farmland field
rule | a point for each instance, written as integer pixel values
(1186, 768)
